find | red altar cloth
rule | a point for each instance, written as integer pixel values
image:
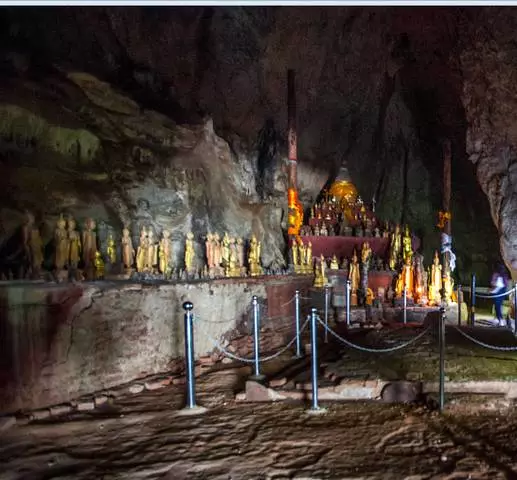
(344, 246)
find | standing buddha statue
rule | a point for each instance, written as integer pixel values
(111, 250)
(61, 244)
(395, 246)
(435, 285)
(405, 280)
(354, 276)
(128, 252)
(407, 249)
(74, 241)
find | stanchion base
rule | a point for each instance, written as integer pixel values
(257, 378)
(297, 357)
(316, 411)
(197, 410)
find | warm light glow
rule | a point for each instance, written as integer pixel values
(344, 190)
(295, 215)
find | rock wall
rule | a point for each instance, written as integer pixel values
(61, 342)
(489, 66)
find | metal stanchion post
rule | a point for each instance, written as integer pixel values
(191, 406)
(348, 303)
(515, 309)
(297, 321)
(326, 312)
(460, 295)
(473, 300)
(441, 341)
(314, 363)
(404, 305)
(256, 339)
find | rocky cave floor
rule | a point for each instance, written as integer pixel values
(144, 436)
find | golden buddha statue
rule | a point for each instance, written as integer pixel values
(112, 250)
(225, 249)
(320, 280)
(308, 258)
(61, 244)
(254, 257)
(152, 251)
(99, 265)
(405, 280)
(89, 242)
(164, 252)
(334, 264)
(189, 253)
(354, 274)
(395, 246)
(302, 254)
(141, 253)
(435, 283)
(407, 248)
(128, 252)
(74, 241)
(294, 254)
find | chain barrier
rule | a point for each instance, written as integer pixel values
(483, 344)
(233, 356)
(373, 350)
(504, 294)
(288, 302)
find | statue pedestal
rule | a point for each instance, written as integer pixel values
(399, 302)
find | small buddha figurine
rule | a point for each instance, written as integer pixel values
(308, 257)
(320, 280)
(74, 241)
(316, 231)
(395, 247)
(141, 253)
(302, 255)
(216, 247)
(294, 253)
(99, 266)
(354, 273)
(189, 253)
(407, 249)
(89, 242)
(152, 251)
(240, 256)
(323, 231)
(254, 257)
(225, 249)
(112, 249)
(164, 252)
(405, 280)
(128, 252)
(435, 285)
(334, 264)
(61, 244)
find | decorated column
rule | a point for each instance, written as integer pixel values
(295, 208)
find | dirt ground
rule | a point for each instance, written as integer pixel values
(144, 437)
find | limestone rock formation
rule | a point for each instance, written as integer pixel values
(489, 61)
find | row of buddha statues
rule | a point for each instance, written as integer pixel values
(421, 286)
(73, 249)
(226, 257)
